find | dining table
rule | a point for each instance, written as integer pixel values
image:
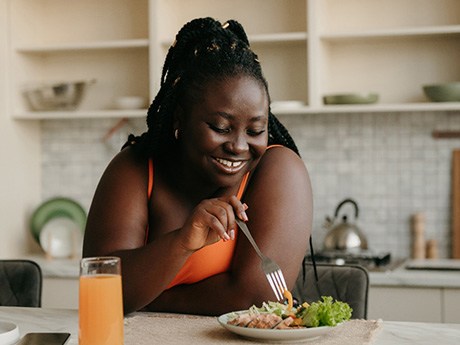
(142, 328)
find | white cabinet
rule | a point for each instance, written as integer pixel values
(308, 48)
(312, 48)
(392, 47)
(60, 292)
(418, 304)
(451, 304)
(56, 40)
(277, 31)
(405, 304)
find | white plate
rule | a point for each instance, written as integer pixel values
(9, 333)
(274, 335)
(60, 237)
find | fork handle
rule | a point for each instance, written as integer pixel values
(245, 230)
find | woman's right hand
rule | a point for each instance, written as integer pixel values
(210, 221)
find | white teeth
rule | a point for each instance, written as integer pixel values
(229, 164)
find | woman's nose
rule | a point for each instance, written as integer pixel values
(237, 144)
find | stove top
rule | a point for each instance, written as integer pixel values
(369, 259)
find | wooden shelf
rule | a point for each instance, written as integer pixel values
(369, 108)
(308, 48)
(392, 33)
(102, 45)
(80, 114)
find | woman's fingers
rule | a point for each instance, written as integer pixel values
(239, 208)
(212, 220)
(224, 218)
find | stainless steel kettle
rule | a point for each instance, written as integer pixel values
(342, 234)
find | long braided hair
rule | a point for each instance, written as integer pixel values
(204, 50)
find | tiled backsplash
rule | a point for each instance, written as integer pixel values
(388, 163)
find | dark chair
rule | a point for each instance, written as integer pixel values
(20, 283)
(346, 283)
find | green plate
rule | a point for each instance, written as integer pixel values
(55, 208)
(351, 98)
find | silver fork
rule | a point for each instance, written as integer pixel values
(271, 269)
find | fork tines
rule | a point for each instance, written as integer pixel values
(277, 283)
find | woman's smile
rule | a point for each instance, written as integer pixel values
(229, 166)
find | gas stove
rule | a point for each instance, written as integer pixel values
(373, 261)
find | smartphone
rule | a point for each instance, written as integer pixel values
(44, 339)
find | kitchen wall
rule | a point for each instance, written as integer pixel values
(20, 156)
(388, 163)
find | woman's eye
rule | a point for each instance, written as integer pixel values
(255, 133)
(219, 129)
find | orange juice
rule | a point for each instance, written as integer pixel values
(100, 310)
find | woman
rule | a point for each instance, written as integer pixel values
(167, 202)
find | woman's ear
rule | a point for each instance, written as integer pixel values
(178, 117)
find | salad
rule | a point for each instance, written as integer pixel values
(276, 315)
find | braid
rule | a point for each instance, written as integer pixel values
(278, 134)
(203, 50)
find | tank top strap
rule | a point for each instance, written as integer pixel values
(150, 183)
(242, 186)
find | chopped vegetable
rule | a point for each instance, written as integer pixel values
(288, 296)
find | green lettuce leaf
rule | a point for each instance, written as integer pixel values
(325, 313)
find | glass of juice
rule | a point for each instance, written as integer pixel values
(100, 302)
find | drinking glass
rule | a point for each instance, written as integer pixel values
(100, 303)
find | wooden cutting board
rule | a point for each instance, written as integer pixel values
(456, 204)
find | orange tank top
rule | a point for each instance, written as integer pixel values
(199, 266)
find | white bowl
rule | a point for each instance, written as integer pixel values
(130, 102)
(60, 237)
(9, 333)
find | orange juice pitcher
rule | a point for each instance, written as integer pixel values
(100, 303)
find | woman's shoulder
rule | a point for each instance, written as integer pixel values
(128, 163)
(280, 167)
(281, 157)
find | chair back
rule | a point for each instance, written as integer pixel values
(20, 283)
(346, 283)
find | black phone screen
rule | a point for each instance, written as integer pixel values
(44, 339)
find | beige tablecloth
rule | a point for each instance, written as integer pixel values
(158, 328)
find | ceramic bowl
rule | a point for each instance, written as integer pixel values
(56, 96)
(130, 102)
(351, 98)
(447, 92)
(9, 333)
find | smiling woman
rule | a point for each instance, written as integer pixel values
(213, 152)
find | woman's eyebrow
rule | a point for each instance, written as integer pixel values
(256, 118)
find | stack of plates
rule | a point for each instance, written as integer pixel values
(58, 225)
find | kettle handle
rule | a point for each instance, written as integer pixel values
(344, 202)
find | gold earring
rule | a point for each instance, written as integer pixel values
(176, 133)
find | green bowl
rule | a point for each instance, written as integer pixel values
(448, 92)
(351, 98)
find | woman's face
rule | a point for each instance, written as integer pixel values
(225, 134)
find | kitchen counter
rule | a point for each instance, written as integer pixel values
(435, 278)
(57, 268)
